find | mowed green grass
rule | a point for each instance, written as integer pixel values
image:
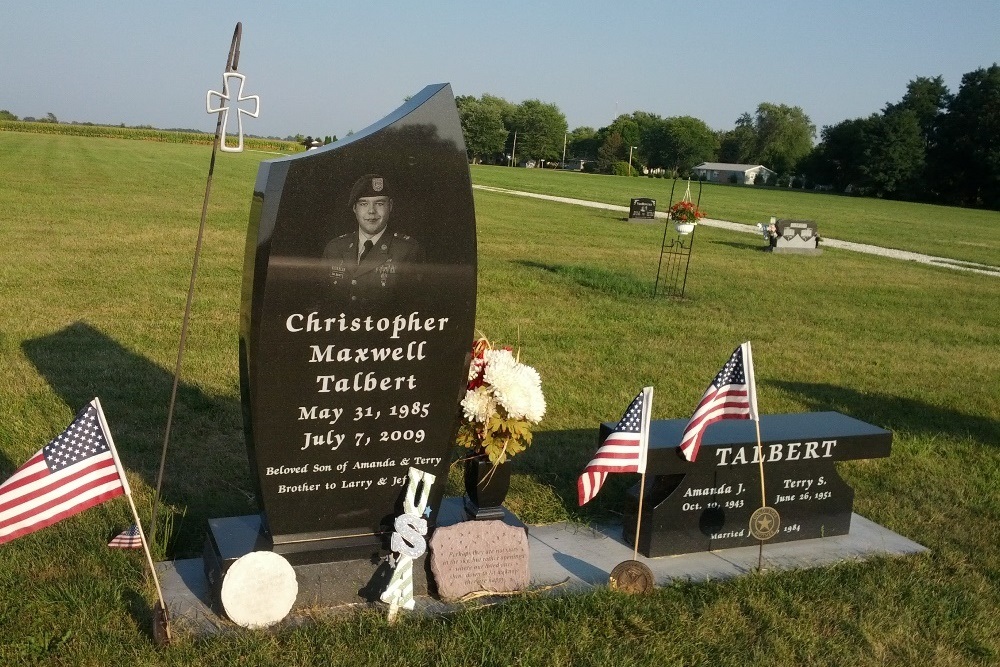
(971, 235)
(98, 240)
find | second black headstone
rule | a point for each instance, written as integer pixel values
(641, 209)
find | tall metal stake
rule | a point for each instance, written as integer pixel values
(232, 62)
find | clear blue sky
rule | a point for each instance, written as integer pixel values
(329, 67)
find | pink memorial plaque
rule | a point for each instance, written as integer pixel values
(479, 556)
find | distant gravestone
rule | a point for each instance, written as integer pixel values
(478, 556)
(353, 355)
(642, 209)
(708, 504)
(796, 236)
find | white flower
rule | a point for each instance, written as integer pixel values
(475, 368)
(517, 387)
(498, 364)
(478, 405)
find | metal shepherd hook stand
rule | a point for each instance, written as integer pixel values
(677, 252)
(232, 62)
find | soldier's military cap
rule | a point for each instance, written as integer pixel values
(369, 185)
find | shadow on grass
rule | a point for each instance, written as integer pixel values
(556, 459)
(206, 474)
(601, 280)
(893, 412)
(741, 246)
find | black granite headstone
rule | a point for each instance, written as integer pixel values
(706, 505)
(642, 208)
(353, 359)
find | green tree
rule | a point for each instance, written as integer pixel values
(838, 158)
(680, 143)
(928, 99)
(893, 155)
(610, 152)
(784, 136)
(6, 115)
(966, 158)
(482, 127)
(738, 146)
(540, 129)
(627, 128)
(581, 143)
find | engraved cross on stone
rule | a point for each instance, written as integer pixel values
(223, 108)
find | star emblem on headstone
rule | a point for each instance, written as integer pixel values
(764, 523)
(223, 108)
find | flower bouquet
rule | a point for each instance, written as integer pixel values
(685, 211)
(502, 402)
(769, 230)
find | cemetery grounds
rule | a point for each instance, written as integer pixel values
(98, 240)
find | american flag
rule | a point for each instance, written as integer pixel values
(622, 451)
(127, 539)
(732, 395)
(75, 471)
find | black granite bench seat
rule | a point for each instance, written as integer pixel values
(706, 504)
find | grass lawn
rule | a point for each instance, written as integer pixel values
(99, 235)
(959, 233)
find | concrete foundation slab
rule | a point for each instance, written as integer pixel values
(566, 557)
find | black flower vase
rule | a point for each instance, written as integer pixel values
(486, 488)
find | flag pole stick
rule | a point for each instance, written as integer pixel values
(647, 408)
(231, 63)
(763, 494)
(638, 518)
(760, 457)
(135, 515)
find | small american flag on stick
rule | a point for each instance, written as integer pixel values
(74, 472)
(622, 451)
(127, 539)
(732, 395)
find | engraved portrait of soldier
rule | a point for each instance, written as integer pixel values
(367, 264)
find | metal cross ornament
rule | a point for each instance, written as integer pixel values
(225, 96)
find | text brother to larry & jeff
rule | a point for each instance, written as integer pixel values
(792, 451)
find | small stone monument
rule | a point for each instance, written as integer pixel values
(796, 236)
(642, 209)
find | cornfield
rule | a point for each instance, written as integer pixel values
(143, 134)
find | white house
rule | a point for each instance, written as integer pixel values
(722, 172)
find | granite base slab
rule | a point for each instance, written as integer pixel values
(566, 557)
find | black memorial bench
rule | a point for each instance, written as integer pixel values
(706, 505)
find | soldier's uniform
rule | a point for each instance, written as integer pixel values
(394, 259)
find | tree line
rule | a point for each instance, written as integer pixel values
(931, 145)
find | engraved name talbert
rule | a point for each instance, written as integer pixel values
(791, 451)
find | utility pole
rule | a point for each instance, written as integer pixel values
(513, 151)
(630, 159)
(563, 165)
